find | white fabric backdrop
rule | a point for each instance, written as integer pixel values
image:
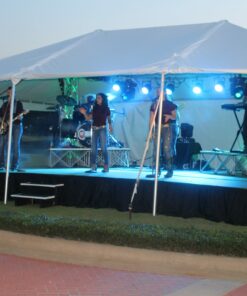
(213, 126)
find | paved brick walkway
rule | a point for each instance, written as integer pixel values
(31, 277)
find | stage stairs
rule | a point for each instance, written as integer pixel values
(43, 194)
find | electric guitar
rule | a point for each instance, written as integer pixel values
(4, 126)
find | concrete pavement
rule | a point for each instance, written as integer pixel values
(32, 265)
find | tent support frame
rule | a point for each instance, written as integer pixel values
(14, 83)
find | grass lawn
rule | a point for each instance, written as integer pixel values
(111, 226)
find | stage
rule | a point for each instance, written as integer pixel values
(187, 194)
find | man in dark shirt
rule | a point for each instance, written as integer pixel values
(17, 131)
(169, 130)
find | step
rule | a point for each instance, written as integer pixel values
(21, 195)
(41, 185)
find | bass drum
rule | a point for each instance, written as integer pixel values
(84, 133)
(68, 128)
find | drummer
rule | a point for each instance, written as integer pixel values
(77, 115)
(89, 105)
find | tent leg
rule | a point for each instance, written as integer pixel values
(146, 149)
(9, 143)
(158, 144)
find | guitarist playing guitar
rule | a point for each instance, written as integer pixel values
(17, 131)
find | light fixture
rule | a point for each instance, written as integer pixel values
(146, 88)
(116, 86)
(124, 87)
(219, 85)
(129, 89)
(237, 86)
(197, 89)
(238, 92)
(169, 89)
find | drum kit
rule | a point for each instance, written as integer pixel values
(76, 131)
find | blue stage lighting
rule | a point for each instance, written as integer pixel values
(168, 92)
(238, 92)
(218, 87)
(197, 89)
(237, 84)
(145, 90)
(116, 87)
(169, 89)
(129, 89)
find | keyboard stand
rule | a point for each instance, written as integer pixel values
(240, 131)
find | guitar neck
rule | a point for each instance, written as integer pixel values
(19, 115)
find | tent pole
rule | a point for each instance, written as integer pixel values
(9, 143)
(143, 158)
(158, 144)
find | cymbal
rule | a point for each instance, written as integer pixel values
(66, 100)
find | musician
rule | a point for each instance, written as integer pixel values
(17, 131)
(100, 115)
(89, 105)
(169, 130)
(77, 115)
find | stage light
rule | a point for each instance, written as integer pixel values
(169, 89)
(219, 84)
(146, 88)
(168, 92)
(129, 90)
(218, 87)
(116, 87)
(197, 89)
(237, 85)
(126, 88)
(238, 92)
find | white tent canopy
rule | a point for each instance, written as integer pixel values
(218, 47)
(211, 47)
